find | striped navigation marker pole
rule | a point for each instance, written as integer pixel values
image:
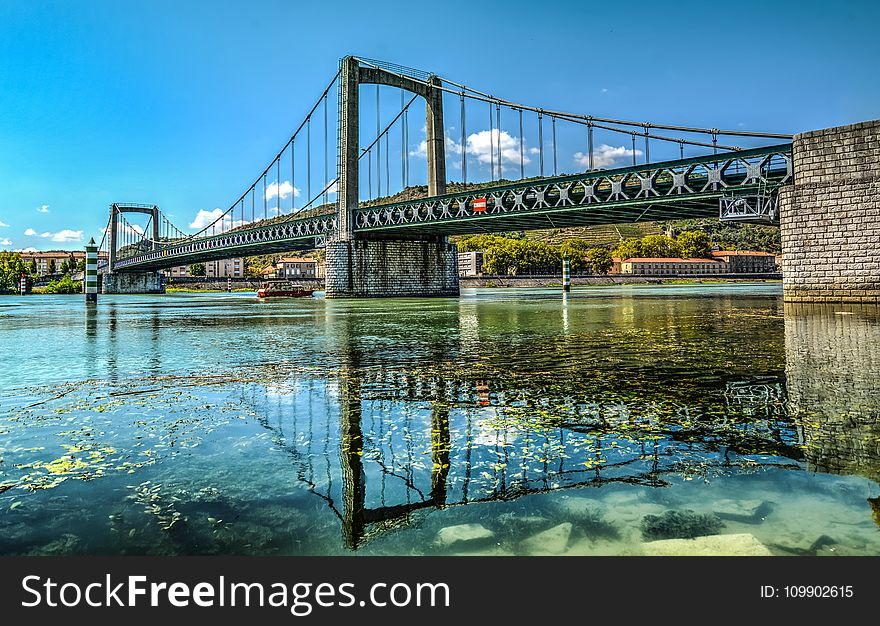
(23, 284)
(566, 274)
(90, 282)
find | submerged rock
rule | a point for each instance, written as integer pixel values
(824, 541)
(680, 525)
(551, 541)
(64, 545)
(743, 544)
(462, 532)
(744, 511)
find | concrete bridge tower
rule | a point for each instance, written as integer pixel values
(374, 265)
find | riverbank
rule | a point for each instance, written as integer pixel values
(608, 280)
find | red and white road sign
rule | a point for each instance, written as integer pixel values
(479, 205)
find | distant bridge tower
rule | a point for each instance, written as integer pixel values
(117, 208)
(365, 266)
(130, 281)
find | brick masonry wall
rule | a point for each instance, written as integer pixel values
(830, 217)
(831, 370)
(367, 268)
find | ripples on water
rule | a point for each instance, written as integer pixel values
(503, 422)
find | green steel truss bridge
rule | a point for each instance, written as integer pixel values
(513, 183)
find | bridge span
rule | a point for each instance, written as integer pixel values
(396, 244)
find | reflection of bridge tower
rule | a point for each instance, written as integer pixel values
(832, 371)
(356, 517)
(380, 266)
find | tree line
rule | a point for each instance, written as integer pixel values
(12, 266)
(516, 256)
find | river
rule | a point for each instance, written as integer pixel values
(506, 421)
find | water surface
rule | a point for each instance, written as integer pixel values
(217, 424)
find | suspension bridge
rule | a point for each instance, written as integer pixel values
(380, 204)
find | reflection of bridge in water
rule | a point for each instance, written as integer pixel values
(381, 445)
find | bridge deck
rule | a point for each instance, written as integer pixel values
(681, 189)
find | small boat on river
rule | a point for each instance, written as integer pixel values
(281, 288)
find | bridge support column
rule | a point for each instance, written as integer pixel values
(383, 268)
(830, 217)
(133, 282)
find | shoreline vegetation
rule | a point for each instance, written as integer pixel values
(520, 282)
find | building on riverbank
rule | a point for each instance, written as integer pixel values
(224, 268)
(746, 261)
(44, 259)
(295, 268)
(720, 262)
(671, 266)
(470, 263)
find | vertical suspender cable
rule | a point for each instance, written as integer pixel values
(370, 173)
(463, 142)
(590, 143)
(681, 149)
(633, 137)
(500, 155)
(309, 158)
(378, 147)
(406, 145)
(253, 213)
(647, 146)
(553, 120)
(491, 144)
(326, 168)
(387, 163)
(292, 177)
(278, 186)
(265, 200)
(541, 141)
(402, 148)
(522, 151)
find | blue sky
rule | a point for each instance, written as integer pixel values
(182, 104)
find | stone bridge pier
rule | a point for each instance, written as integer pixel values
(830, 217)
(363, 266)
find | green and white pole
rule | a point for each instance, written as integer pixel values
(566, 274)
(90, 282)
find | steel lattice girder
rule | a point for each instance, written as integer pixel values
(681, 189)
(306, 233)
(663, 191)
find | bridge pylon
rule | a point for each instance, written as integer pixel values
(360, 265)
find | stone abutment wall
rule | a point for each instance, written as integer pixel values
(830, 217)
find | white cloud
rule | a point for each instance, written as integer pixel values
(286, 188)
(3, 224)
(484, 146)
(62, 236)
(204, 218)
(6, 241)
(605, 156)
(604, 90)
(43, 209)
(28, 249)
